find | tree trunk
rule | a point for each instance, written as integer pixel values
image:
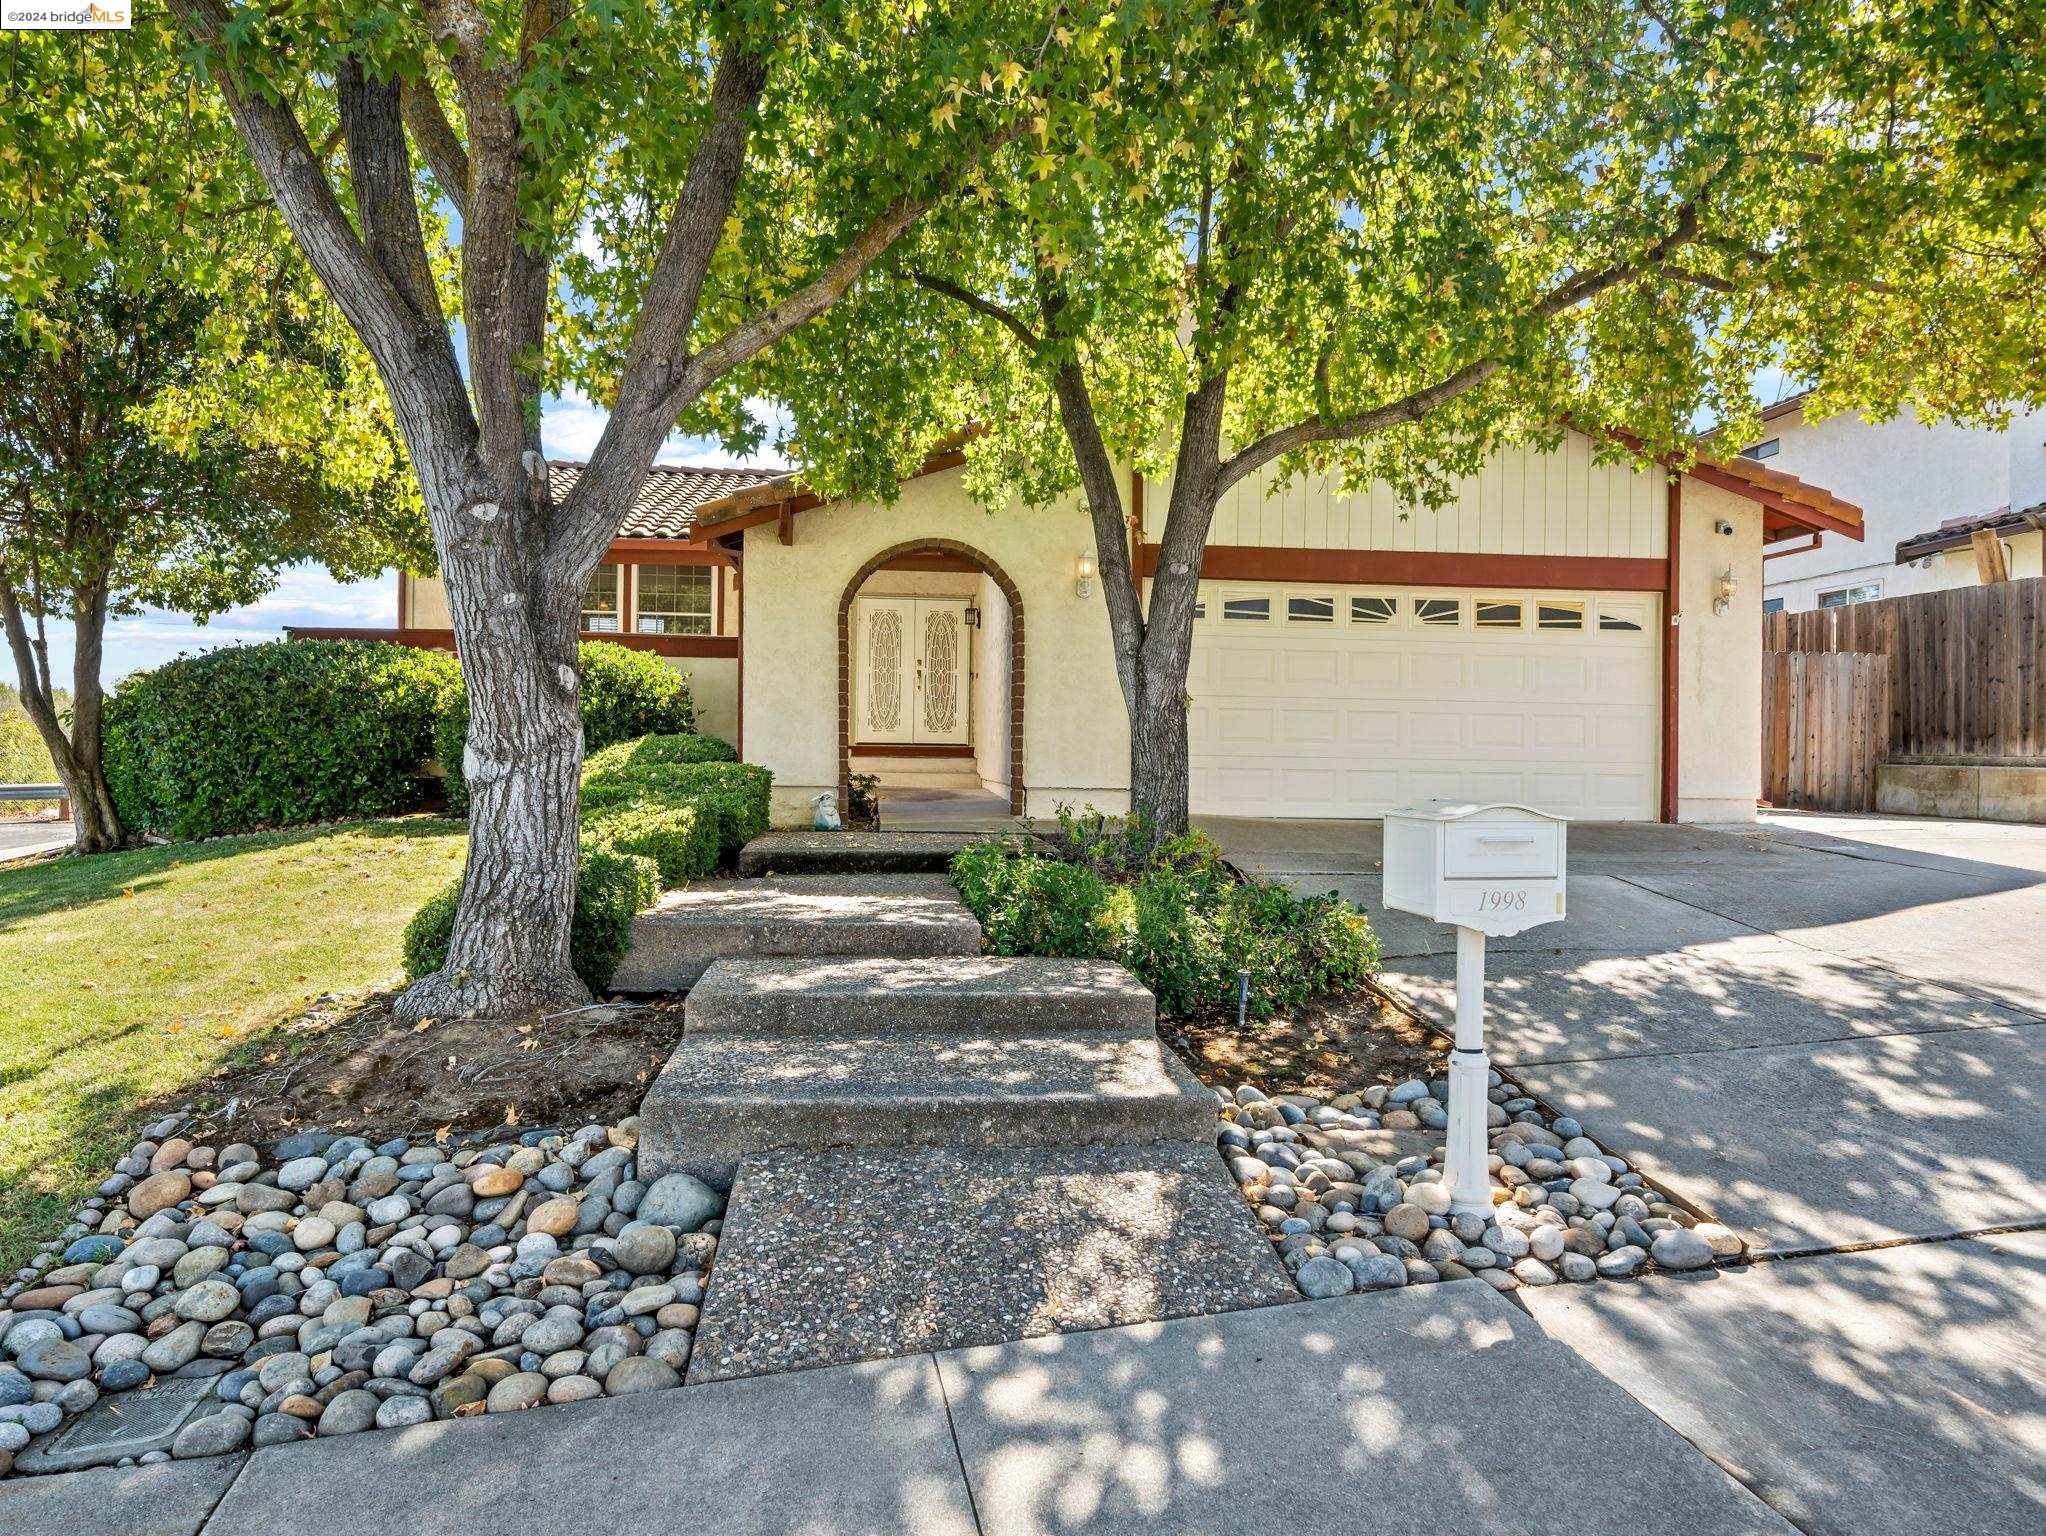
(515, 627)
(1158, 749)
(77, 756)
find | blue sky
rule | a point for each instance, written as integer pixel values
(569, 429)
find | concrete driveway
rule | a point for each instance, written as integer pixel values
(23, 839)
(1824, 1030)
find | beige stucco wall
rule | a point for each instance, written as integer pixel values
(1719, 659)
(1075, 735)
(991, 688)
(714, 685)
(426, 604)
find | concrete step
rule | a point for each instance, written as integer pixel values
(723, 1097)
(951, 994)
(682, 933)
(834, 1257)
(852, 853)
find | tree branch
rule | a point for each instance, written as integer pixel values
(1581, 289)
(973, 301)
(437, 141)
(380, 169)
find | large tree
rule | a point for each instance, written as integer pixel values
(648, 196)
(180, 416)
(1382, 241)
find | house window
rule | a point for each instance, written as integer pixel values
(1553, 614)
(1246, 610)
(1373, 610)
(1440, 611)
(1772, 605)
(1310, 610)
(1840, 597)
(674, 600)
(1490, 613)
(1627, 619)
(1766, 449)
(600, 601)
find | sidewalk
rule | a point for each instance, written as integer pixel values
(1417, 1412)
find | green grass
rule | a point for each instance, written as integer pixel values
(129, 976)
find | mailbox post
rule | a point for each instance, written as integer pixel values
(1489, 870)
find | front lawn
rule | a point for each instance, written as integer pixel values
(127, 977)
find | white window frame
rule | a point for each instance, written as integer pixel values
(1848, 596)
(1461, 603)
(1392, 614)
(1518, 604)
(1629, 618)
(1335, 609)
(1575, 605)
(640, 612)
(1228, 598)
(617, 613)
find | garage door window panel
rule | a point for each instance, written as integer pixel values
(1559, 615)
(1496, 613)
(1310, 610)
(1374, 610)
(1246, 610)
(1439, 612)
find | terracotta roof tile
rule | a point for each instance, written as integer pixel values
(1953, 532)
(666, 508)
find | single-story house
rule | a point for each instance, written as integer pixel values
(1578, 635)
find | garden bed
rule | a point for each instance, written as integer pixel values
(1329, 1045)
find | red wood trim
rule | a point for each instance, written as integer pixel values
(910, 749)
(1774, 553)
(1591, 573)
(785, 525)
(717, 527)
(444, 640)
(404, 599)
(1672, 615)
(1802, 513)
(665, 552)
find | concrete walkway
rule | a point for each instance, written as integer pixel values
(1825, 1031)
(1381, 1412)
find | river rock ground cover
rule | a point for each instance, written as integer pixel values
(1351, 1191)
(330, 1284)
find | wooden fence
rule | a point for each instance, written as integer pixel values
(1965, 677)
(1825, 727)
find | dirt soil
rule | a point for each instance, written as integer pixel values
(1330, 1046)
(347, 1064)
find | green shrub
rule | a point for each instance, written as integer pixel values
(738, 795)
(645, 752)
(1175, 916)
(625, 694)
(609, 888)
(681, 838)
(272, 735)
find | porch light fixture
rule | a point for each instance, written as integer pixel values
(973, 616)
(1722, 595)
(1083, 575)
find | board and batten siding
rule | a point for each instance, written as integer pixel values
(1523, 502)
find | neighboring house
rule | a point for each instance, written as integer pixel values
(1351, 655)
(1925, 490)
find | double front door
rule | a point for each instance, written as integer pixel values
(911, 665)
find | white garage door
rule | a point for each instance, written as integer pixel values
(1351, 701)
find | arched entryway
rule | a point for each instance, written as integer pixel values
(1009, 593)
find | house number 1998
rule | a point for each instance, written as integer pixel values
(1503, 901)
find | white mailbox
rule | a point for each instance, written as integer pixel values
(1496, 868)
(1488, 869)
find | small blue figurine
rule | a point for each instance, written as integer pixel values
(825, 812)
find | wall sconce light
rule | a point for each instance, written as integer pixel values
(1722, 594)
(972, 616)
(1083, 575)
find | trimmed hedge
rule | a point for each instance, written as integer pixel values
(609, 888)
(272, 735)
(1174, 915)
(738, 795)
(681, 838)
(625, 694)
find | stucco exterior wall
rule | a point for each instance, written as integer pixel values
(426, 604)
(1075, 736)
(1908, 477)
(714, 685)
(1521, 503)
(991, 688)
(1719, 658)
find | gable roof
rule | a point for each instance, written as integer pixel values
(667, 504)
(1956, 532)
